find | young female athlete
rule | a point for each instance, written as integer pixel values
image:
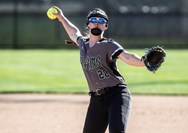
(110, 100)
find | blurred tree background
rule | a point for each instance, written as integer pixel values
(133, 23)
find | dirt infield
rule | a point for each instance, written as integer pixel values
(36, 113)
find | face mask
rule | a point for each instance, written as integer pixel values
(96, 31)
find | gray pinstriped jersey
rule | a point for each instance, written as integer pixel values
(99, 63)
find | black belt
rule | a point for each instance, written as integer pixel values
(106, 90)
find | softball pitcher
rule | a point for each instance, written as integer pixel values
(110, 100)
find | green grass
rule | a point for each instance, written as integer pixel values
(59, 71)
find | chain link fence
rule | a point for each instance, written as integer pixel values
(135, 23)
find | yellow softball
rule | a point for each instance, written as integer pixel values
(50, 13)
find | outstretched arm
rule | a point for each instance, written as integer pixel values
(70, 28)
(131, 59)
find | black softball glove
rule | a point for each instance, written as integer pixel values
(153, 58)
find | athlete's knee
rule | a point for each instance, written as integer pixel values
(116, 129)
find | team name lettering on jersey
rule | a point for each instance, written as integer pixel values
(91, 63)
